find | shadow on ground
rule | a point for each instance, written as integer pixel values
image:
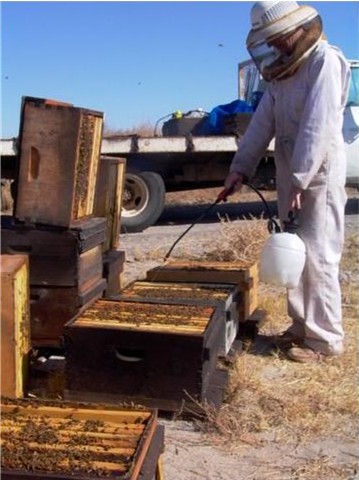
(183, 214)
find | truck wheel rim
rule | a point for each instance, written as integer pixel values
(136, 195)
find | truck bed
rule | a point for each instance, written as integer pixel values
(122, 145)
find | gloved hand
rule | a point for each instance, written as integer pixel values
(234, 182)
(295, 198)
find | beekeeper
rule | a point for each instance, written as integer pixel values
(302, 107)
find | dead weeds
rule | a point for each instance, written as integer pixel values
(271, 397)
(274, 404)
(240, 243)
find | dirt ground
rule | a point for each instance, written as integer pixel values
(191, 454)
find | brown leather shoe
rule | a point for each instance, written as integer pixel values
(287, 340)
(305, 355)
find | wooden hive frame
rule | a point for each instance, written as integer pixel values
(225, 296)
(242, 274)
(69, 441)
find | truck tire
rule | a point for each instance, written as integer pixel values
(143, 201)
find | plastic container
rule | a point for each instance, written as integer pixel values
(282, 260)
(183, 126)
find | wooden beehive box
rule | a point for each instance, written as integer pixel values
(81, 442)
(59, 150)
(113, 265)
(224, 296)
(108, 198)
(52, 307)
(244, 275)
(151, 353)
(15, 324)
(58, 257)
(66, 271)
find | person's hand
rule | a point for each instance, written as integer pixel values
(234, 182)
(295, 199)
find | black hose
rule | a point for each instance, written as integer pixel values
(191, 226)
(160, 120)
(272, 223)
(222, 197)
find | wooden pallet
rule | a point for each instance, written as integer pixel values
(59, 151)
(242, 274)
(224, 296)
(15, 324)
(164, 353)
(80, 442)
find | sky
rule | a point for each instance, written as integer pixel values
(135, 61)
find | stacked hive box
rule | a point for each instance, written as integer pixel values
(157, 354)
(15, 324)
(54, 221)
(224, 296)
(65, 271)
(58, 161)
(159, 341)
(108, 204)
(242, 274)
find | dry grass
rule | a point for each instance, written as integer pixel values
(144, 130)
(240, 243)
(272, 402)
(270, 397)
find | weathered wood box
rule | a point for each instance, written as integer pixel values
(58, 257)
(66, 271)
(108, 198)
(15, 324)
(154, 353)
(113, 265)
(52, 307)
(59, 151)
(224, 296)
(242, 274)
(48, 440)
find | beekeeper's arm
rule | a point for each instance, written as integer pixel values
(322, 113)
(253, 144)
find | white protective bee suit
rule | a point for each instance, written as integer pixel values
(305, 114)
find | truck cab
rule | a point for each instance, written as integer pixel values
(351, 126)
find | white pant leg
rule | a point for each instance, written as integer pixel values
(318, 300)
(296, 310)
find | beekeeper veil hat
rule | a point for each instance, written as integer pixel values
(272, 20)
